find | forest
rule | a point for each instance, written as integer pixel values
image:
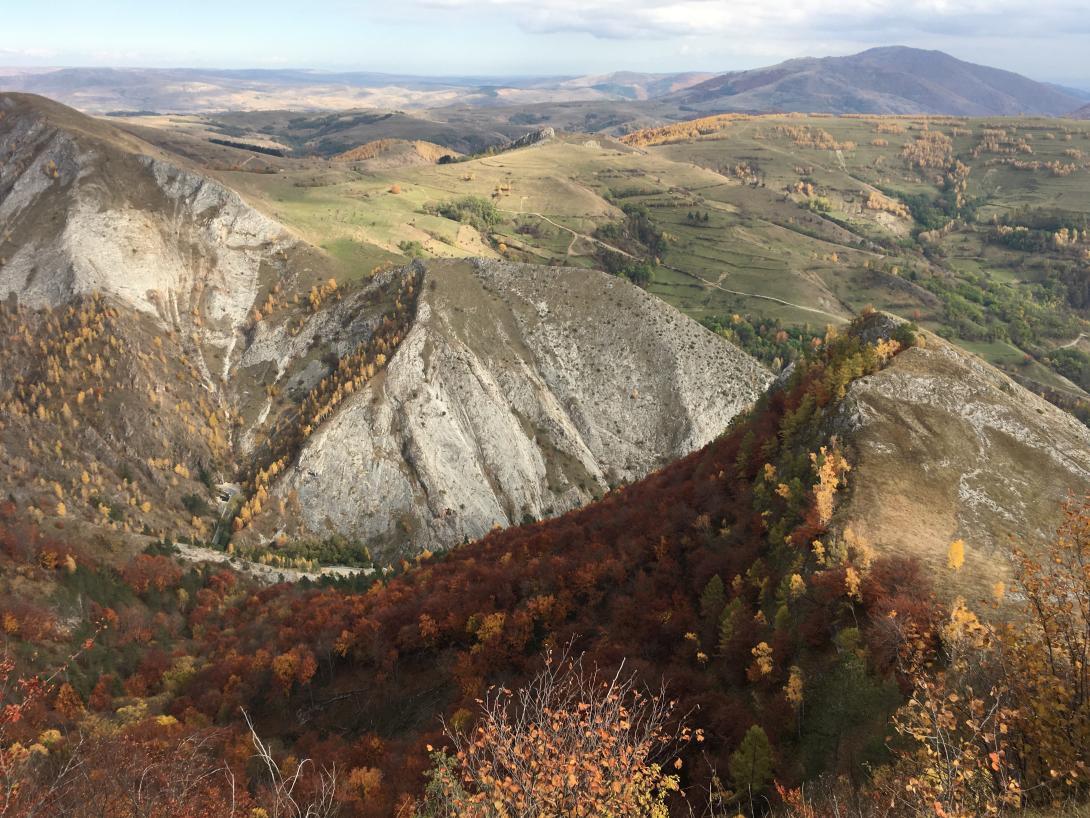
(784, 657)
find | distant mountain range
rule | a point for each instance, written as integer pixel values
(891, 80)
(186, 90)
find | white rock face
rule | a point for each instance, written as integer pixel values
(946, 447)
(84, 214)
(520, 392)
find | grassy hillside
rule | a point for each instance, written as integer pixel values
(933, 213)
(974, 228)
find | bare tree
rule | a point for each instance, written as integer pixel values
(285, 802)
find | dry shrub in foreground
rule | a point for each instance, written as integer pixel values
(998, 722)
(572, 742)
(1005, 723)
(154, 768)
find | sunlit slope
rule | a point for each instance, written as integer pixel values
(799, 219)
(553, 197)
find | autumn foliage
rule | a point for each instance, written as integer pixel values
(571, 742)
(998, 716)
(719, 576)
(623, 579)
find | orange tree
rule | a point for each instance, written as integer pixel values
(1047, 660)
(570, 742)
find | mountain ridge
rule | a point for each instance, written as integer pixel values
(202, 90)
(639, 576)
(559, 401)
(945, 447)
(881, 80)
(884, 80)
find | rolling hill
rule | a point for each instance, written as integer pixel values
(191, 90)
(887, 80)
(890, 80)
(973, 227)
(392, 153)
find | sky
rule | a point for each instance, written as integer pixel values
(1044, 39)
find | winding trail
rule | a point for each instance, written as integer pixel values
(575, 234)
(1070, 344)
(718, 286)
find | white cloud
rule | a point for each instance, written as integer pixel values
(26, 54)
(797, 19)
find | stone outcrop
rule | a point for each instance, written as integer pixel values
(520, 392)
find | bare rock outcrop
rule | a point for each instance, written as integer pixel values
(86, 208)
(520, 392)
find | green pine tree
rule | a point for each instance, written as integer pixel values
(713, 599)
(750, 765)
(726, 624)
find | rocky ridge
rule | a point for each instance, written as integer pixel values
(519, 393)
(87, 209)
(947, 447)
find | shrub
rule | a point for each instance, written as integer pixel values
(413, 249)
(571, 742)
(472, 210)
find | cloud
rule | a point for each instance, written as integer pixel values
(19, 54)
(795, 20)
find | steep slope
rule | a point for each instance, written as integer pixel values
(728, 575)
(1082, 113)
(946, 447)
(892, 80)
(87, 208)
(129, 282)
(520, 392)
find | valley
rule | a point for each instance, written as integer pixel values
(628, 445)
(270, 339)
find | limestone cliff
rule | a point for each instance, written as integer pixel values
(86, 208)
(519, 393)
